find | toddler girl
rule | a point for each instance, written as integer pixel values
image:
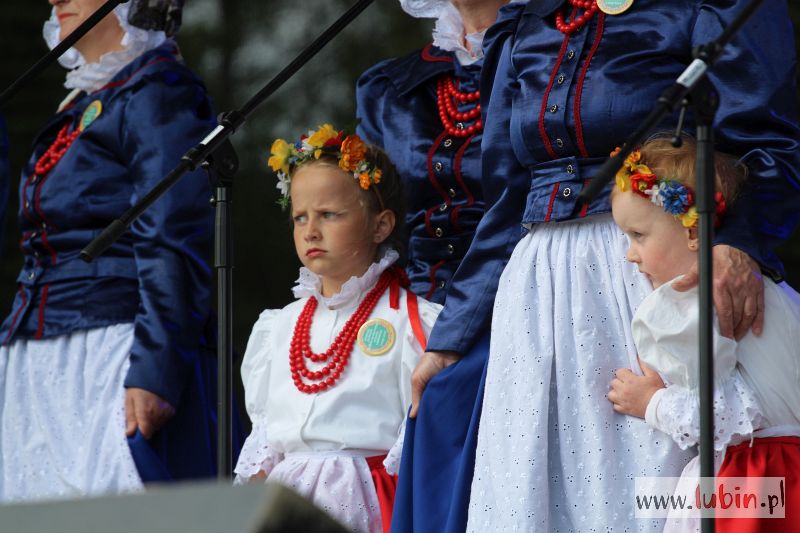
(756, 380)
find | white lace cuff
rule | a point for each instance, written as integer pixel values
(256, 455)
(736, 412)
(395, 453)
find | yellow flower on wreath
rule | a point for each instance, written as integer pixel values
(280, 153)
(353, 152)
(689, 218)
(321, 136)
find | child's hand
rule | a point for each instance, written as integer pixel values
(630, 393)
(145, 410)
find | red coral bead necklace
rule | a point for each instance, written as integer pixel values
(568, 28)
(447, 99)
(338, 354)
(56, 151)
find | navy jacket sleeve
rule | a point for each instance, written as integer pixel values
(167, 113)
(370, 96)
(757, 120)
(467, 313)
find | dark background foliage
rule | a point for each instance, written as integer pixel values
(237, 46)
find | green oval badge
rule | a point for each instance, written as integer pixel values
(91, 113)
(376, 337)
(614, 7)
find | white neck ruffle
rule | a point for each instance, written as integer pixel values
(310, 284)
(448, 34)
(92, 76)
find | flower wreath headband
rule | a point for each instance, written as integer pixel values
(676, 198)
(350, 150)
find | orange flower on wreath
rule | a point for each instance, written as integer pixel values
(353, 152)
(641, 182)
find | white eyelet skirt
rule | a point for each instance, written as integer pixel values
(62, 416)
(552, 454)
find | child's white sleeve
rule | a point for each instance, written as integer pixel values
(256, 455)
(675, 411)
(665, 330)
(412, 351)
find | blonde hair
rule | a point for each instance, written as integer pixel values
(669, 162)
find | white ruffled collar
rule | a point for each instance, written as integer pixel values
(92, 76)
(448, 34)
(310, 284)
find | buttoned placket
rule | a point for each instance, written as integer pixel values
(559, 108)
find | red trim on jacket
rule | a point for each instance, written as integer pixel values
(25, 212)
(50, 249)
(552, 201)
(585, 207)
(576, 110)
(120, 83)
(459, 178)
(42, 304)
(542, 131)
(434, 182)
(432, 276)
(426, 55)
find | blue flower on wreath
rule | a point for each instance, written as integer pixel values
(676, 197)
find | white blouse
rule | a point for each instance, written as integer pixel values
(757, 380)
(363, 414)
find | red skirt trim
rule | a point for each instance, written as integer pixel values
(767, 457)
(385, 488)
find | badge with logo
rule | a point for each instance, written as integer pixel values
(376, 337)
(614, 7)
(91, 113)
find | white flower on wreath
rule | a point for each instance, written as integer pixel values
(656, 193)
(283, 183)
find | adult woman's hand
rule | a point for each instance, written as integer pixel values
(145, 410)
(738, 291)
(430, 364)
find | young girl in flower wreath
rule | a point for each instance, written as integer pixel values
(757, 379)
(327, 378)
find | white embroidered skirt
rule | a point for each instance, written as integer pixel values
(339, 483)
(552, 454)
(62, 416)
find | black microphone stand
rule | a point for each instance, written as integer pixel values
(216, 153)
(694, 88)
(59, 50)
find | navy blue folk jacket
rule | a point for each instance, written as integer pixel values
(156, 275)
(556, 106)
(397, 105)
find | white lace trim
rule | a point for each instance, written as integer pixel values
(395, 453)
(310, 284)
(256, 455)
(92, 76)
(423, 9)
(448, 34)
(736, 413)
